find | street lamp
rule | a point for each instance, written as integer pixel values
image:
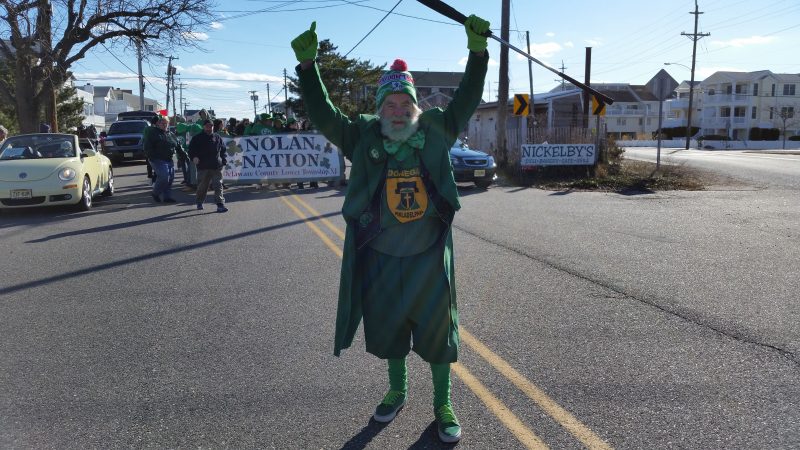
(691, 95)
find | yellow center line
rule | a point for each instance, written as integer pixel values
(313, 227)
(553, 409)
(325, 221)
(524, 434)
(498, 408)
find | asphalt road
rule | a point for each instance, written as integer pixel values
(666, 320)
(777, 169)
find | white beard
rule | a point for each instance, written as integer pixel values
(402, 134)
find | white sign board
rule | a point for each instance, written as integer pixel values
(558, 154)
(281, 158)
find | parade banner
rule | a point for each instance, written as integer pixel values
(558, 154)
(282, 158)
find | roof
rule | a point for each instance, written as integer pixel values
(437, 79)
(643, 92)
(102, 91)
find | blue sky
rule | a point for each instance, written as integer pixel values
(248, 47)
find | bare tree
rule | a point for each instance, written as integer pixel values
(785, 115)
(40, 40)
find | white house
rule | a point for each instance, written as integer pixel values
(735, 102)
(86, 93)
(109, 101)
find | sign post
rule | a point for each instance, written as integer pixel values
(662, 87)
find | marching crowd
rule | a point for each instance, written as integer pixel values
(202, 160)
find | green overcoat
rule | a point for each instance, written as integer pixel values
(361, 142)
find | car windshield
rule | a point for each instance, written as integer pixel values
(460, 144)
(38, 146)
(127, 127)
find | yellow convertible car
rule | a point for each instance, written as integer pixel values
(47, 169)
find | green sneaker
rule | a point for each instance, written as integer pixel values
(447, 424)
(391, 404)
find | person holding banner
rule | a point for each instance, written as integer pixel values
(397, 265)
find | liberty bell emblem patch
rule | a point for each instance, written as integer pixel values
(406, 195)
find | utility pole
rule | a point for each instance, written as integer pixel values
(285, 94)
(182, 108)
(532, 116)
(502, 97)
(269, 101)
(174, 103)
(586, 80)
(694, 37)
(561, 80)
(141, 76)
(170, 72)
(254, 98)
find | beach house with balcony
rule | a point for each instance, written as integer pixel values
(732, 103)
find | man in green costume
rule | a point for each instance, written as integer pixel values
(397, 266)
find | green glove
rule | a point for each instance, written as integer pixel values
(305, 45)
(475, 27)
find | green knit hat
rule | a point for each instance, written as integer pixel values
(396, 81)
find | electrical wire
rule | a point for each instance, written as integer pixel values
(373, 28)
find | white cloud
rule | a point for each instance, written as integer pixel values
(223, 71)
(595, 42)
(569, 44)
(545, 50)
(550, 34)
(217, 26)
(93, 77)
(212, 84)
(743, 42)
(197, 36)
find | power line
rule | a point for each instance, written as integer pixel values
(373, 28)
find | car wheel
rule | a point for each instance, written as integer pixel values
(109, 191)
(483, 184)
(86, 196)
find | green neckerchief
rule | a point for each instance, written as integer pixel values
(401, 150)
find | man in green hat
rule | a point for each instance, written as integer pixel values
(397, 265)
(263, 125)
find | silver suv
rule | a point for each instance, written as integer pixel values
(124, 140)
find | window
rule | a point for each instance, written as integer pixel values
(724, 112)
(773, 91)
(711, 92)
(787, 112)
(788, 89)
(621, 121)
(753, 114)
(729, 89)
(641, 121)
(771, 113)
(755, 91)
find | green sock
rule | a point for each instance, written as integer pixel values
(398, 375)
(441, 384)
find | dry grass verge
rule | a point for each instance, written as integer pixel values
(625, 176)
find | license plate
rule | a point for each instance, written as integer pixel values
(480, 173)
(128, 155)
(21, 193)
